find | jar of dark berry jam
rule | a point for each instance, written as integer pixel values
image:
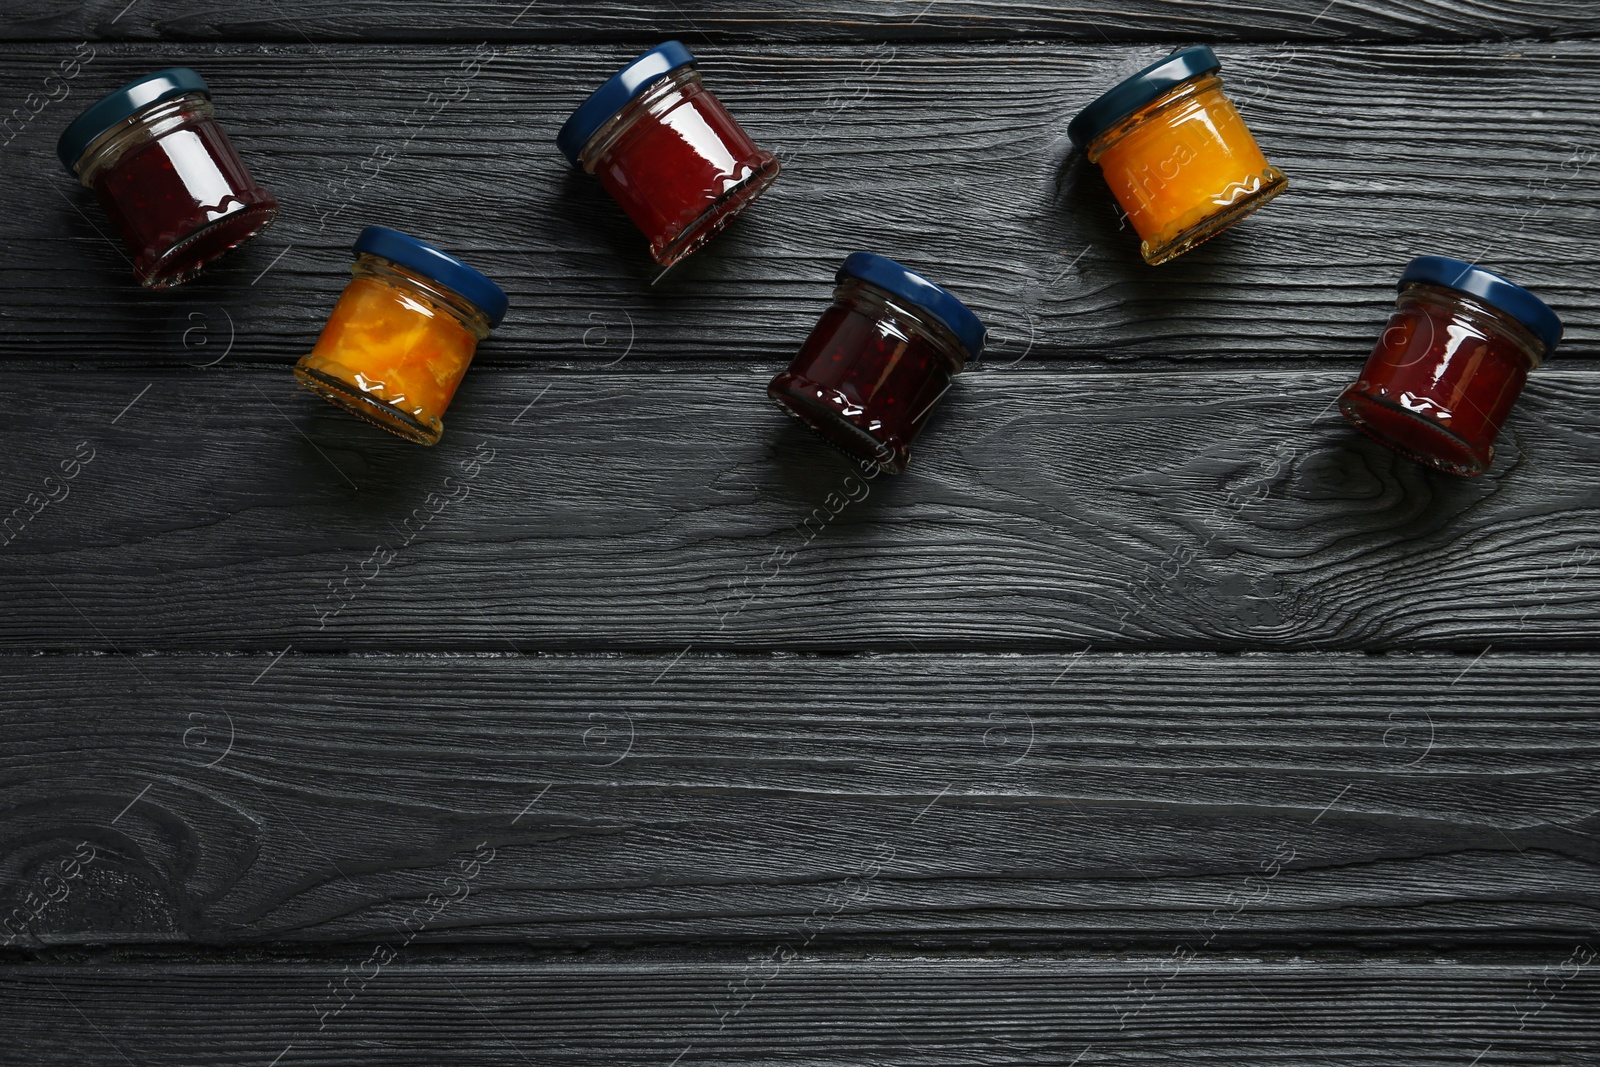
(166, 174)
(1449, 368)
(1176, 153)
(878, 360)
(667, 151)
(402, 335)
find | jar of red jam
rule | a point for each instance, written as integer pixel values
(402, 335)
(1449, 368)
(1176, 154)
(878, 360)
(166, 174)
(667, 151)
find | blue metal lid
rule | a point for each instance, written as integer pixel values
(913, 288)
(1492, 289)
(1130, 94)
(119, 104)
(438, 266)
(614, 95)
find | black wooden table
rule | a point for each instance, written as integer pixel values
(1154, 717)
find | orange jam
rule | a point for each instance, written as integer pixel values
(399, 340)
(1176, 154)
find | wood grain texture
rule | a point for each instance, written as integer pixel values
(1100, 800)
(1219, 510)
(282, 693)
(1283, 1012)
(954, 159)
(433, 21)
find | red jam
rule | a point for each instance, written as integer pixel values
(668, 152)
(1445, 375)
(166, 175)
(874, 366)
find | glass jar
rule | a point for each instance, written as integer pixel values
(402, 335)
(1176, 153)
(878, 360)
(1447, 371)
(166, 174)
(667, 151)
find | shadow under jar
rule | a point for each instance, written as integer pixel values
(166, 175)
(1176, 153)
(1449, 368)
(402, 335)
(878, 360)
(667, 151)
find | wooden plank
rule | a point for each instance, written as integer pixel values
(1219, 510)
(980, 192)
(1100, 800)
(1432, 1011)
(432, 21)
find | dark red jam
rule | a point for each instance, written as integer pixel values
(166, 174)
(683, 170)
(870, 373)
(181, 200)
(1443, 378)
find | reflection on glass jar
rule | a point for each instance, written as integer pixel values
(667, 151)
(402, 335)
(878, 360)
(166, 175)
(1451, 364)
(1176, 154)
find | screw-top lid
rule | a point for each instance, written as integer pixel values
(615, 93)
(913, 288)
(1490, 288)
(122, 103)
(438, 266)
(1130, 94)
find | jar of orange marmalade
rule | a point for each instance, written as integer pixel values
(402, 335)
(1174, 150)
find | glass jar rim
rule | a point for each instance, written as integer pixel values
(121, 104)
(616, 92)
(437, 266)
(1137, 90)
(868, 299)
(900, 281)
(150, 124)
(663, 94)
(1499, 293)
(1482, 315)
